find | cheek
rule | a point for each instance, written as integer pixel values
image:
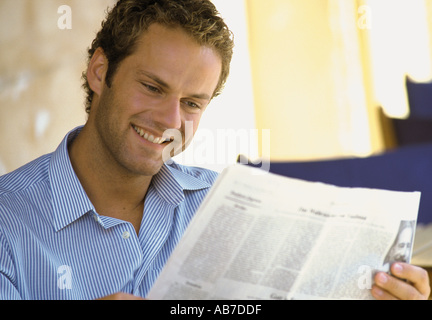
(127, 98)
(190, 125)
(130, 103)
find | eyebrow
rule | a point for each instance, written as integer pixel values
(162, 83)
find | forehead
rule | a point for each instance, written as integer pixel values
(166, 37)
(173, 55)
(406, 235)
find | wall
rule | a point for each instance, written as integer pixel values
(307, 78)
(40, 70)
(322, 68)
(400, 42)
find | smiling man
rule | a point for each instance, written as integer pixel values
(168, 79)
(99, 217)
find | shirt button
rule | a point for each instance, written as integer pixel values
(126, 235)
(96, 218)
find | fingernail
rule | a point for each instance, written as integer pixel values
(397, 268)
(377, 292)
(382, 278)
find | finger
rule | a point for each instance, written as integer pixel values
(395, 288)
(121, 296)
(390, 288)
(417, 276)
(380, 294)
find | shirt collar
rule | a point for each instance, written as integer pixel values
(170, 182)
(70, 200)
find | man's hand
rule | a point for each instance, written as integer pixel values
(415, 287)
(121, 296)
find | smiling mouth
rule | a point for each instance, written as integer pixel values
(149, 137)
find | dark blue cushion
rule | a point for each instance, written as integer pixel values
(419, 98)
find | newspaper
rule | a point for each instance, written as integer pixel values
(259, 235)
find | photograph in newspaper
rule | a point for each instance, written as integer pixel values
(401, 249)
(264, 236)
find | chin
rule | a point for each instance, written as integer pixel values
(149, 169)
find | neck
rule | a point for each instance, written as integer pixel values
(113, 191)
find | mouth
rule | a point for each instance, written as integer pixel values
(150, 137)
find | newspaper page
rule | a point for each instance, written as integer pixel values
(259, 235)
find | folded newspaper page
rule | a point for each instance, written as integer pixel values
(259, 235)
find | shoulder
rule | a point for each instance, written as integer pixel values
(23, 190)
(25, 177)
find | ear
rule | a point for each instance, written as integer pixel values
(96, 71)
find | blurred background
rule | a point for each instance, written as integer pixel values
(310, 79)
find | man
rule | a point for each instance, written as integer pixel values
(100, 216)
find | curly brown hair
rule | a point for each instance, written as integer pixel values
(128, 19)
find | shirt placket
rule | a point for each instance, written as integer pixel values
(156, 229)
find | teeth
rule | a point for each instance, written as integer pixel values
(150, 137)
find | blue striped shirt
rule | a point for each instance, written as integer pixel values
(54, 245)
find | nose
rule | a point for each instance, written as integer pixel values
(168, 114)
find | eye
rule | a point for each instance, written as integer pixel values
(192, 105)
(151, 88)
